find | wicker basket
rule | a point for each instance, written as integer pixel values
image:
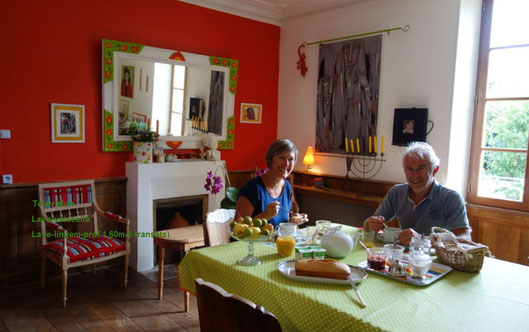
(458, 253)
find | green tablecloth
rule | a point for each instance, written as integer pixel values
(496, 299)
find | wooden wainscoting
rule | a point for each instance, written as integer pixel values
(239, 178)
(19, 248)
(505, 232)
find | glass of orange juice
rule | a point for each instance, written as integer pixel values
(285, 245)
(285, 241)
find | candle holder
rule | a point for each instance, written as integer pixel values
(362, 165)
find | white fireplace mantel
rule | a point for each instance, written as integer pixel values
(148, 182)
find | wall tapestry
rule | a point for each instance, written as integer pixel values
(348, 81)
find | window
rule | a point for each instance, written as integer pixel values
(498, 167)
(177, 100)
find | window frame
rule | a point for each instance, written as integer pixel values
(478, 123)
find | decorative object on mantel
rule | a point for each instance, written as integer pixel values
(214, 185)
(301, 64)
(210, 144)
(143, 141)
(67, 123)
(363, 161)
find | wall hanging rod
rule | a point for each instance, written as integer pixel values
(301, 64)
(405, 29)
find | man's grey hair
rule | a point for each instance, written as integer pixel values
(421, 151)
(280, 146)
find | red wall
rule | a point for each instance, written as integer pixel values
(51, 53)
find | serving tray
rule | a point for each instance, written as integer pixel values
(436, 272)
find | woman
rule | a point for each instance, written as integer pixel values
(270, 195)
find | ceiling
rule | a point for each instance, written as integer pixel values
(274, 11)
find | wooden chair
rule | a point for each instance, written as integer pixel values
(220, 311)
(182, 238)
(74, 203)
(216, 227)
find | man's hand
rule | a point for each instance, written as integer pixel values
(374, 223)
(406, 235)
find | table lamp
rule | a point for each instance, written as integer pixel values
(308, 160)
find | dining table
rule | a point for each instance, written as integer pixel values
(494, 299)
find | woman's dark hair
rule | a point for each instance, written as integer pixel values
(280, 146)
(127, 71)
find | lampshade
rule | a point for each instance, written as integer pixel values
(308, 160)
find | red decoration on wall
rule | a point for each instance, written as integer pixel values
(174, 144)
(177, 56)
(302, 66)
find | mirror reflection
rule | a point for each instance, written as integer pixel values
(179, 100)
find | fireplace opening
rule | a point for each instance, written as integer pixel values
(178, 212)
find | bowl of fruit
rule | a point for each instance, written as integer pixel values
(251, 230)
(248, 229)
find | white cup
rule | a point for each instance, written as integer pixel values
(390, 233)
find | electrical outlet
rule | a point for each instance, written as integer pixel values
(7, 178)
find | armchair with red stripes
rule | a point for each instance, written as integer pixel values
(64, 204)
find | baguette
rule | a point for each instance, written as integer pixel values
(323, 268)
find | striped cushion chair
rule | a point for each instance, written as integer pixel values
(72, 203)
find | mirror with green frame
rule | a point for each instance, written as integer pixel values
(182, 96)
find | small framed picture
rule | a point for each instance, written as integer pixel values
(409, 125)
(137, 117)
(67, 123)
(127, 81)
(251, 113)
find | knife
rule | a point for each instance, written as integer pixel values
(362, 302)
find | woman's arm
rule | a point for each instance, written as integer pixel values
(245, 208)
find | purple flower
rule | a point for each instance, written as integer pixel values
(213, 183)
(259, 172)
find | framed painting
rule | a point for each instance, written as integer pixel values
(67, 123)
(127, 81)
(251, 113)
(409, 125)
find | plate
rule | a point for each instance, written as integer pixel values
(288, 269)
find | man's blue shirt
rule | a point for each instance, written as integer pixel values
(442, 207)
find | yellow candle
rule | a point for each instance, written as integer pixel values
(382, 146)
(358, 145)
(352, 146)
(369, 144)
(375, 144)
(346, 146)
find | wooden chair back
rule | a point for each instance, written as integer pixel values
(67, 203)
(220, 311)
(216, 227)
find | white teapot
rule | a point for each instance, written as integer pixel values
(337, 243)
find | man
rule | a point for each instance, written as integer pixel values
(422, 202)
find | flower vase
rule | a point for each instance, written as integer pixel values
(143, 152)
